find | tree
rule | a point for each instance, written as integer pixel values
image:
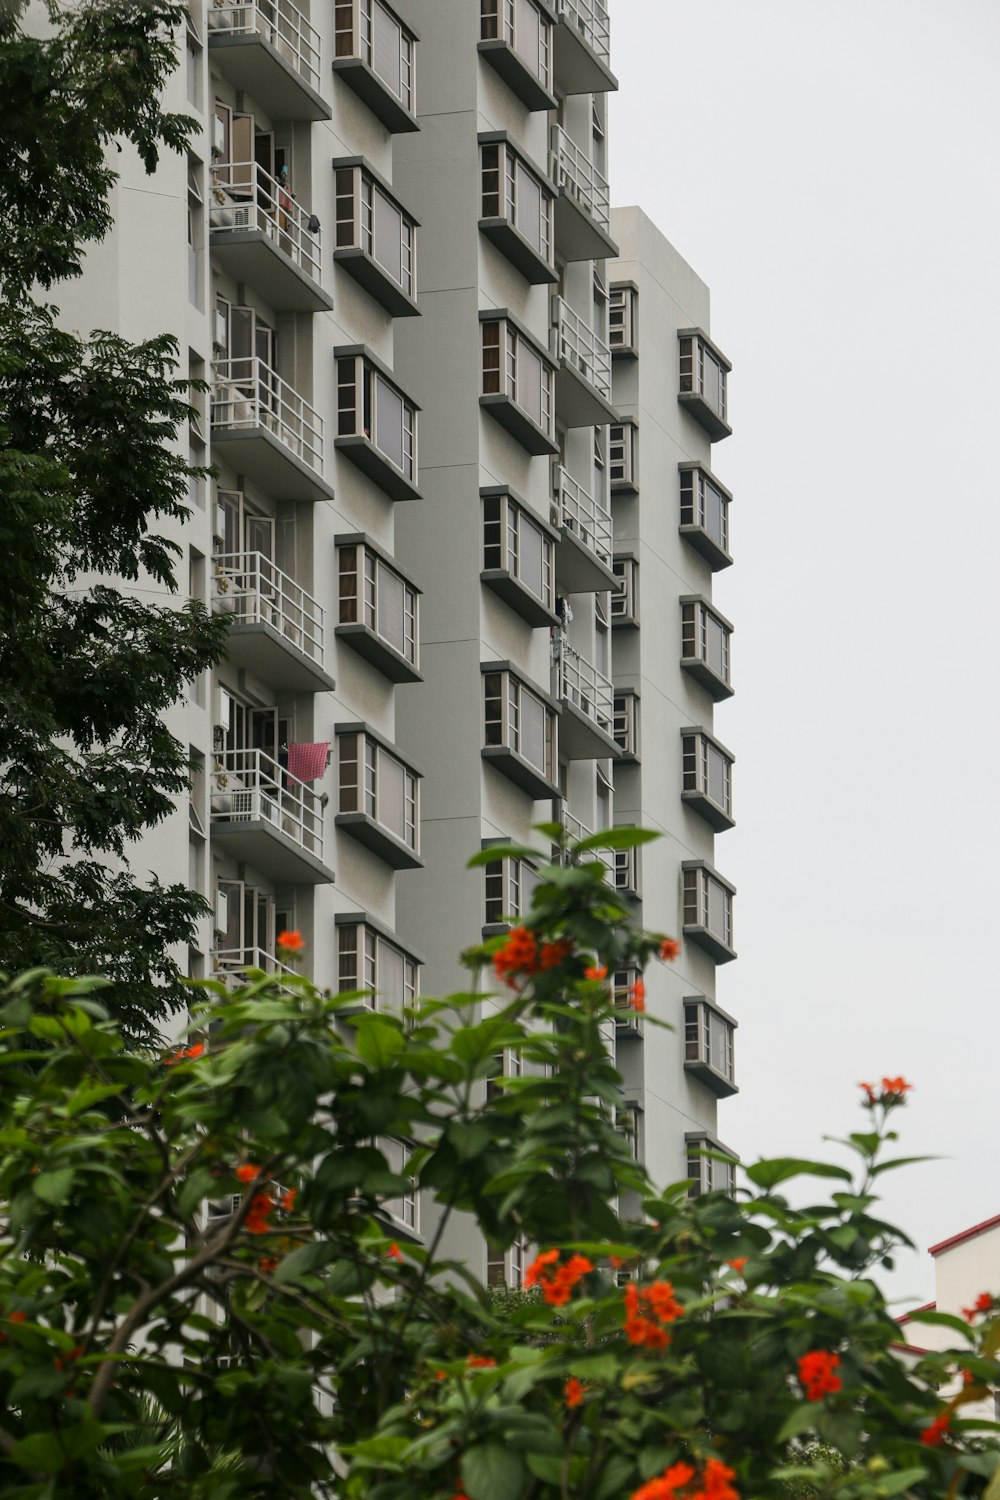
(208, 1287)
(88, 468)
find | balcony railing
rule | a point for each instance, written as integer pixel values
(591, 20)
(581, 514)
(248, 585)
(231, 964)
(577, 830)
(248, 393)
(278, 22)
(246, 198)
(579, 346)
(248, 786)
(582, 685)
(578, 177)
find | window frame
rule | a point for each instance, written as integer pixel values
(699, 1015)
(696, 747)
(511, 899)
(369, 562)
(696, 613)
(623, 319)
(504, 514)
(706, 399)
(498, 23)
(700, 883)
(359, 376)
(501, 202)
(628, 1020)
(625, 599)
(623, 446)
(702, 1170)
(503, 344)
(627, 872)
(369, 938)
(502, 728)
(363, 788)
(356, 231)
(695, 480)
(625, 710)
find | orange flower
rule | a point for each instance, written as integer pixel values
(598, 971)
(893, 1091)
(896, 1086)
(557, 1281)
(290, 942)
(983, 1303)
(714, 1484)
(573, 1392)
(440, 1375)
(480, 1362)
(670, 949)
(269, 1263)
(666, 1487)
(394, 1252)
(933, 1436)
(261, 1207)
(519, 955)
(637, 995)
(288, 1199)
(554, 954)
(182, 1053)
(737, 1263)
(17, 1317)
(647, 1311)
(816, 1372)
(246, 1172)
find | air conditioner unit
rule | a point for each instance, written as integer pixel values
(218, 136)
(221, 912)
(220, 523)
(220, 329)
(222, 706)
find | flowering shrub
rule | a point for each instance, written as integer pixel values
(174, 1323)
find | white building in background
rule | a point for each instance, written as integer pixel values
(467, 517)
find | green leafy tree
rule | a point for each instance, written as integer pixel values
(208, 1287)
(88, 470)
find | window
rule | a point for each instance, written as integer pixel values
(625, 599)
(628, 1020)
(705, 505)
(507, 1063)
(626, 723)
(518, 720)
(517, 544)
(511, 191)
(510, 886)
(514, 368)
(628, 1123)
(376, 782)
(370, 219)
(706, 1174)
(404, 1206)
(705, 638)
(372, 593)
(707, 774)
(708, 1045)
(703, 375)
(627, 871)
(622, 319)
(369, 405)
(525, 29)
(506, 1268)
(621, 455)
(708, 910)
(382, 41)
(368, 961)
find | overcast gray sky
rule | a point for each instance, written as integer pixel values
(830, 169)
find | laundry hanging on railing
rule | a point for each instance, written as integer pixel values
(308, 762)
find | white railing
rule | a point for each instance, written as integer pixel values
(248, 393)
(250, 587)
(279, 22)
(579, 346)
(245, 197)
(577, 830)
(581, 514)
(580, 179)
(248, 786)
(231, 964)
(581, 684)
(590, 19)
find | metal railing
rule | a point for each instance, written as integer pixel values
(579, 346)
(581, 514)
(231, 964)
(247, 392)
(590, 18)
(578, 177)
(577, 830)
(245, 197)
(248, 786)
(279, 22)
(249, 586)
(582, 685)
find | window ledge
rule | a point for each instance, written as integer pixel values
(513, 592)
(382, 102)
(376, 281)
(705, 415)
(707, 940)
(709, 678)
(379, 840)
(502, 58)
(363, 453)
(521, 772)
(721, 1086)
(525, 429)
(715, 555)
(709, 810)
(369, 644)
(512, 244)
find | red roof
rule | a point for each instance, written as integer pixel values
(925, 1307)
(966, 1234)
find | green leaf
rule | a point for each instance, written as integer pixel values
(307, 1259)
(54, 1187)
(768, 1174)
(943, 1320)
(379, 1042)
(894, 1484)
(40, 1451)
(615, 838)
(800, 1419)
(492, 1472)
(504, 851)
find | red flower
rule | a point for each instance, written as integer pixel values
(182, 1053)
(269, 1263)
(668, 1484)
(816, 1372)
(554, 954)
(869, 1089)
(480, 1362)
(17, 1317)
(288, 1199)
(598, 971)
(983, 1303)
(557, 1281)
(246, 1172)
(896, 1086)
(261, 1207)
(670, 949)
(647, 1311)
(893, 1091)
(440, 1375)
(637, 995)
(715, 1482)
(290, 942)
(737, 1263)
(933, 1436)
(394, 1252)
(573, 1392)
(519, 955)
(677, 1479)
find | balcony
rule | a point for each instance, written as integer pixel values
(584, 554)
(583, 370)
(587, 699)
(266, 430)
(263, 817)
(261, 236)
(268, 49)
(576, 830)
(583, 48)
(231, 965)
(583, 204)
(276, 628)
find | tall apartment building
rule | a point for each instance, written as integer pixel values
(454, 435)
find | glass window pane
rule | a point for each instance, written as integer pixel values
(391, 601)
(718, 899)
(530, 556)
(715, 645)
(390, 974)
(532, 729)
(529, 382)
(528, 211)
(391, 794)
(386, 51)
(388, 421)
(716, 776)
(388, 237)
(714, 504)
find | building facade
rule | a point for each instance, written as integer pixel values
(465, 529)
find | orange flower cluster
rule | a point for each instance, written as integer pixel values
(675, 1483)
(893, 1091)
(573, 1392)
(521, 955)
(670, 949)
(983, 1303)
(247, 1172)
(261, 1208)
(816, 1372)
(637, 995)
(597, 971)
(480, 1362)
(291, 943)
(556, 1281)
(933, 1436)
(182, 1053)
(648, 1310)
(737, 1263)
(394, 1252)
